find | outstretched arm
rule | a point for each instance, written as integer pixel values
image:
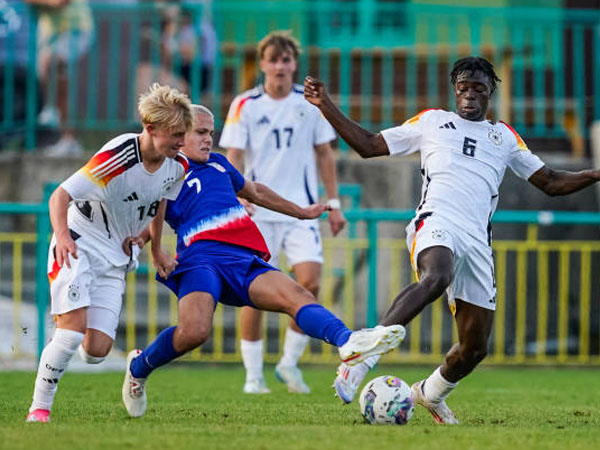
(261, 195)
(365, 143)
(561, 182)
(326, 165)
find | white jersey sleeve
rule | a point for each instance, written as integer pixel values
(235, 133)
(324, 132)
(406, 138)
(520, 160)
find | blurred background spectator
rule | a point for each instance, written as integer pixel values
(65, 34)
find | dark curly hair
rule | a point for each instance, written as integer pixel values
(471, 64)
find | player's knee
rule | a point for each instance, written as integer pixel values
(436, 283)
(196, 336)
(474, 354)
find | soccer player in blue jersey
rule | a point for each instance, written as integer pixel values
(220, 258)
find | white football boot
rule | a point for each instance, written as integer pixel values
(292, 377)
(345, 384)
(438, 409)
(371, 341)
(256, 386)
(134, 389)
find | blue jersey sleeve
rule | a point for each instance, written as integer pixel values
(237, 179)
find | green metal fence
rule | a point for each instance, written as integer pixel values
(383, 61)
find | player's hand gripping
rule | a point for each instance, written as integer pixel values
(314, 211)
(130, 241)
(164, 263)
(65, 246)
(314, 91)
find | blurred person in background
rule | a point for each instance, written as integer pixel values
(190, 34)
(65, 35)
(280, 139)
(15, 58)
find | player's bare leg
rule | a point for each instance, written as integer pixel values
(69, 333)
(95, 347)
(275, 291)
(474, 327)
(193, 328)
(308, 275)
(435, 266)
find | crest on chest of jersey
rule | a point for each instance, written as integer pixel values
(217, 166)
(495, 137)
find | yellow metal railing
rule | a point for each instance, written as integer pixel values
(547, 305)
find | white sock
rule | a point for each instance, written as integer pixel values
(293, 347)
(359, 371)
(252, 356)
(436, 387)
(53, 362)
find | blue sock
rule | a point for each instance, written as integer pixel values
(157, 354)
(320, 323)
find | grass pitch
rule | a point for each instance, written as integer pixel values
(202, 407)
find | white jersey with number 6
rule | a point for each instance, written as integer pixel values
(279, 137)
(462, 164)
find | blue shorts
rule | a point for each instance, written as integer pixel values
(224, 271)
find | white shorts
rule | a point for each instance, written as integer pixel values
(299, 239)
(91, 282)
(473, 280)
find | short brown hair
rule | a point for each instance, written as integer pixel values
(165, 107)
(282, 40)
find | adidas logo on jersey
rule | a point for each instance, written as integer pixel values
(448, 125)
(131, 197)
(264, 120)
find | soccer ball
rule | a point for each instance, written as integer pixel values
(386, 400)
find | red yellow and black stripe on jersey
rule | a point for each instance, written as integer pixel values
(107, 164)
(415, 119)
(181, 159)
(235, 114)
(520, 142)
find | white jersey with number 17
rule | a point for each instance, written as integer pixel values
(279, 136)
(462, 164)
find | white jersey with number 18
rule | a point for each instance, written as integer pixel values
(462, 164)
(116, 197)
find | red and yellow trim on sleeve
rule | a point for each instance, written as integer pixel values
(106, 165)
(234, 116)
(415, 119)
(520, 142)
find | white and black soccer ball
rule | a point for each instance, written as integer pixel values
(386, 400)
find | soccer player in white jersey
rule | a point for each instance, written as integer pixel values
(99, 216)
(463, 160)
(280, 139)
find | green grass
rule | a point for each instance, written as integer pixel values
(202, 407)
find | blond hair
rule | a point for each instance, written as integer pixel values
(282, 40)
(165, 107)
